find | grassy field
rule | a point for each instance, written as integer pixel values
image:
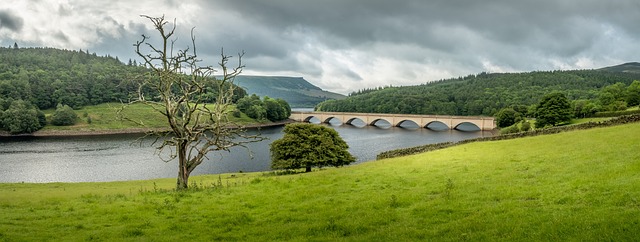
(576, 186)
(104, 117)
(586, 120)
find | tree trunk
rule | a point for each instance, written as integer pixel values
(183, 171)
(308, 168)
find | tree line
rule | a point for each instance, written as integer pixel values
(34, 79)
(47, 77)
(265, 109)
(486, 93)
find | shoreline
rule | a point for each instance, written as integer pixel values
(101, 132)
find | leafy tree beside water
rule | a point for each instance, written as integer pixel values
(22, 117)
(63, 116)
(507, 117)
(553, 109)
(271, 109)
(306, 145)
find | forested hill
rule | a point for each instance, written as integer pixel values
(46, 77)
(297, 91)
(485, 94)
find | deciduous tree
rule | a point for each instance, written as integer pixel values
(507, 117)
(309, 145)
(21, 117)
(633, 93)
(553, 109)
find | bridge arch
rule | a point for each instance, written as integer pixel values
(409, 122)
(328, 120)
(375, 121)
(437, 126)
(473, 126)
(308, 119)
(356, 119)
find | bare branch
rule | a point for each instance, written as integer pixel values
(175, 86)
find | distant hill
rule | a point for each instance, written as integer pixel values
(484, 93)
(297, 91)
(631, 67)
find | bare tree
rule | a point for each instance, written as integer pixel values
(179, 86)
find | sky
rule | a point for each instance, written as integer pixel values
(344, 46)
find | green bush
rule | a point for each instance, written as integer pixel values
(510, 130)
(507, 117)
(237, 113)
(21, 117)
(64, 116)
(525, 126)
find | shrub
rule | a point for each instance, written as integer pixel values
(63, 116)
(237, 113)
(525, 126)
(507, 117)
(510, 130)
(21, 117)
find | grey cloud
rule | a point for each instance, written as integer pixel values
(415, 38)
(61, 36)
(360, 22)
(455, 37)
(351, 74)
(10, 21)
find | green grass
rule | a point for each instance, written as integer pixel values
(586, 120)
(576, 186)
(104, 117)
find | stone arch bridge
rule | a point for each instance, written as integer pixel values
(424, 121)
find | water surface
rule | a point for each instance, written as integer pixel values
(121, 157)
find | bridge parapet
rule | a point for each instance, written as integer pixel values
(452, 122)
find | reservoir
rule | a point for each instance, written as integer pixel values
(125, 157)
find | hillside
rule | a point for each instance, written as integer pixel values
(552, 190)
(631, 67)
(484, 93)
(297, 91)
(48, 76)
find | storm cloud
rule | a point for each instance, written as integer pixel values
(348, 45)
(10, 21)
